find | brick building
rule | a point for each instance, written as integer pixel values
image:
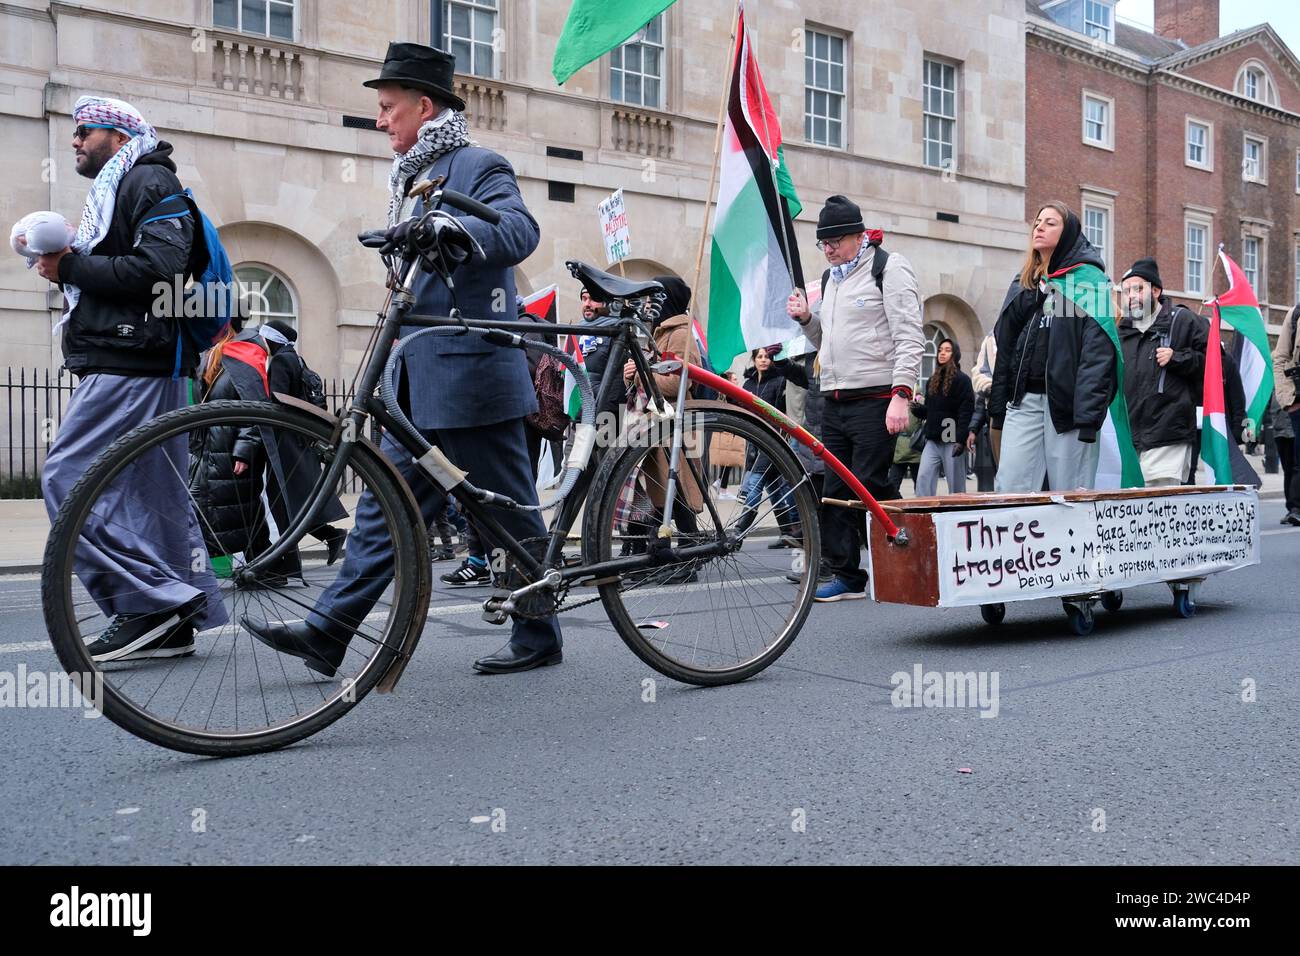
(1168, 143)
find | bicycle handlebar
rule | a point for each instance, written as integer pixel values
(466, 204)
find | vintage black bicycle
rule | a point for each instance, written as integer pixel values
(681, 569)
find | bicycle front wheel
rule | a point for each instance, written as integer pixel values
(149, 599)
(721, 618)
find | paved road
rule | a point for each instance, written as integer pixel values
(1143, 720)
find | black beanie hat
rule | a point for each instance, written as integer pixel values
(1145, 269)
(839, 217)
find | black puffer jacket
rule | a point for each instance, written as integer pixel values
(1162, 401)
(230, 504)
(770, 387)
(1081, 363)
(948, 416)
(117, 326)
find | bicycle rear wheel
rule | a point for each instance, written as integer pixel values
(717, 619)
(146, 592)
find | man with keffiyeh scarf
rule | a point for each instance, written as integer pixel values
(134, 236)
(465, 395)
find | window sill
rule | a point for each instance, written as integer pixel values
(1198, 166)
(1099, 145)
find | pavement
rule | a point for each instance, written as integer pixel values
(1153, 740)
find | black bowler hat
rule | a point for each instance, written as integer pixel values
(422, 68)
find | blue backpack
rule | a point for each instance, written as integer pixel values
(209, 302)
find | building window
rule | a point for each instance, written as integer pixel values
(1098, 20)
(267, 18)
(1194, 268)
(823, 95)
(1200, 145)
(266, 296)
(940, 110)
(1297, 170)
(1096, 227)
(1254, 83)
(636, 69)
(1254, 159)
(1098, 120)
(1250, 262)
(469, 34)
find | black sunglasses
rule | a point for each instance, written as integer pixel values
(84, 130)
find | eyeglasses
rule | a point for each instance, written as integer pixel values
(82, 131)
(831, 243)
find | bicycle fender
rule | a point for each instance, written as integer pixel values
(424, 584)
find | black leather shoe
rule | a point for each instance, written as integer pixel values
(512, 658)
(321, 652)
(334, 540)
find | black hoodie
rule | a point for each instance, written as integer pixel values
(1077, 356)
(121, 323)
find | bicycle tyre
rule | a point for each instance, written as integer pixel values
(403, 523)
(598, 535)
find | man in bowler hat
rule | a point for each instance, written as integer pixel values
(465, 395)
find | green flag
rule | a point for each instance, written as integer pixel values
(595, 27)
(1088, 289)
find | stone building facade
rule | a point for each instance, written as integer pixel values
(916, 111)
(1169, 143)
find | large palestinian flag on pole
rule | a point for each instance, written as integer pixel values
(1215, 443)
(1089, 290)
(1240, 309)
(754, 262)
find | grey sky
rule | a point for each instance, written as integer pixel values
(1284, 15)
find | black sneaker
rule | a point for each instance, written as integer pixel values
(443, 552)
(132, 637)
(468, 575)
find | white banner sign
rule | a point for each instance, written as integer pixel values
(613, 226)
(1011, 554)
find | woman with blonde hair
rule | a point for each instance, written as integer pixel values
(1056, 368)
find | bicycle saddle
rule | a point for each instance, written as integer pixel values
(605, 287)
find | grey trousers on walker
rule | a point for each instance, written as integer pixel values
(1032, 448)
(936, 457)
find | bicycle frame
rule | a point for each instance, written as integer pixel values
(366, 404)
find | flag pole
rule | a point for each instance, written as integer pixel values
(675, 456)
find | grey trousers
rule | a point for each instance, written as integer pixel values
(938, 457)
(141, 550)
(1033, 449)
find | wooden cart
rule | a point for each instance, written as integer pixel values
(1083, 547)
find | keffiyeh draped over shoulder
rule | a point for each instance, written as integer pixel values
(97, 213)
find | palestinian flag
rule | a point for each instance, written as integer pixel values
(1215, 443)
(573, 397)
(542, 304)
(1240, 309)
(1089, 290)
(594, 27)
(754, 262)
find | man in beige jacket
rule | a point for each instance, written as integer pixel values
(867, 329)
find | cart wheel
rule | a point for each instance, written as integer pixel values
(1112, 600)
(1081, 620)
(1184, 606)
(993, 613)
